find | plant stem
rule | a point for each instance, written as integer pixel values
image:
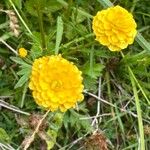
(40, 18)
(11, 107)
(139, 114)
(77, 40)
(91, 60)
(8, 46)
(31, 139)
(109, 92)
(24, 94)
(23, 22)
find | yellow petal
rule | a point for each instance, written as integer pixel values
(103, 40)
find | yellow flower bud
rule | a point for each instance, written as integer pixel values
(22, 52)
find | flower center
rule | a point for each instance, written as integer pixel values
(56, 84)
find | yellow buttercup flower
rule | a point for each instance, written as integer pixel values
(114, 28)
(56, 83)
(22, 52)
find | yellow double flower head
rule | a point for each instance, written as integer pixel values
(114, 28)
(56, 83)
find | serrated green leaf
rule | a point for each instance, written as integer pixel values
(4, 137)
(76, 122)
(82, 29)
(73, 120)
(35, 51)
(33, 5)
(53, 6)
(90, 83)
(96, 71)
(78, 17)
(58, 118)
(53, 135)
(70, 31)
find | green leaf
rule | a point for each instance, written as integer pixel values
(24, 71)
(142, 42)
(20, 61)
(83, 13)
(4, 137)
(70, 31)
(59, 34)
(90, 83)
(66, 120)
(77, 123)
(1, 73)
(35, 51)
(18, 3)
(22, 80)
(58, 118)
(135, 59)
(53, 135)
(73, 119)
(96, 71)
(77, 16)
(53, 6)
(105, 3)
(33, 5)
(4, 25)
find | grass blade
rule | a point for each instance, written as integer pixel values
(142, 42)
(138, 108)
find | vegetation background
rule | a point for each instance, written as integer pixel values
(109, 117)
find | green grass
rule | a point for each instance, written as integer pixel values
(117, 89)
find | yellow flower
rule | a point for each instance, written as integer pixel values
(114, 28)
(22, 52)
(56, 83)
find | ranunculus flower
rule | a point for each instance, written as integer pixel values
(114, 28)
(56, 83)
